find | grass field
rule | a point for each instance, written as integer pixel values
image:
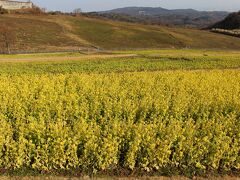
(124, 61)
(51, 33)
(152, 112)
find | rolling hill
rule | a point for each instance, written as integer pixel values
(232, 21)
(229, 26)
(38, 33)
(176, 17)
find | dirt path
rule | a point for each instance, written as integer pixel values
(117, 178)
(68, 29)
(66, 58)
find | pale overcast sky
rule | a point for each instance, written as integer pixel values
(99, 5)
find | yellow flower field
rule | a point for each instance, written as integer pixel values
(150, 121)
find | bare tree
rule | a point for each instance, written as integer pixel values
(77, 11)
(7, 37)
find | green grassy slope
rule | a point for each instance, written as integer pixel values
(45, 32)
(112, 35)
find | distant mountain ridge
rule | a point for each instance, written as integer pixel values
(151, 11)
(158, 15)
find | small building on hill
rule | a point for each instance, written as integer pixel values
(14, 5)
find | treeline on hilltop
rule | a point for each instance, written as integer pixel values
(196, 21)
(37, 10)
(34, 10)
(126, 18)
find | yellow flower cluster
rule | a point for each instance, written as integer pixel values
(149, 121)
